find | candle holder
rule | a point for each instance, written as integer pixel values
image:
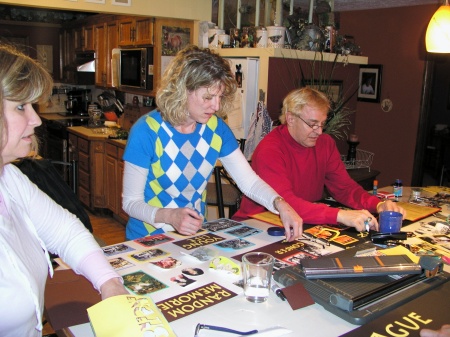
(351, 155)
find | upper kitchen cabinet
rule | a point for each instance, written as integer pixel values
(67, 55)
(106, 39)
(134, 31)
(84, 38)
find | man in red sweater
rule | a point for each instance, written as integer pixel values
(298, 160)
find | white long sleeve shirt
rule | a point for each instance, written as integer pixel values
(30, 224)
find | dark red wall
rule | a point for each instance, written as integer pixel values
(394, 38)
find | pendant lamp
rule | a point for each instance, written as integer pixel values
(437, 38)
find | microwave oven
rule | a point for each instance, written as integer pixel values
(135, 70)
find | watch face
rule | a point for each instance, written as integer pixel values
(275, 202)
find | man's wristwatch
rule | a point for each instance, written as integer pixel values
(275, 202)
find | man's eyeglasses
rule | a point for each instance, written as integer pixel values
(313, 126)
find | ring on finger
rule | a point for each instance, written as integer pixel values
(367, 222)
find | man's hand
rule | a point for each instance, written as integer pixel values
(359, 219)
(388, 205)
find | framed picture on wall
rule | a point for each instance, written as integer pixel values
(369, 89)
(333, 89)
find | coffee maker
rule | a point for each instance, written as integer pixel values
(78, 101)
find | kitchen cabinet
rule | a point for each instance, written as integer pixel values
(90, 154)
(84, 38)
(135, 31)
(114, 178)
(68, 55)
(106, 39)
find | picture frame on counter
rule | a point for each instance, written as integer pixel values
(369, 89)
(121, 2)
(96, 1)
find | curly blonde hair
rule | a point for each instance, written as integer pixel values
(297, 99)
(22, 79)
(191, 69)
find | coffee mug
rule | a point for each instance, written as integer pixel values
(390, 222)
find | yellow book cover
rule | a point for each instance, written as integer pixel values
(417, 212)
(269, 217)
(128, 315)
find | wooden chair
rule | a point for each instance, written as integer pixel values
(223, 192)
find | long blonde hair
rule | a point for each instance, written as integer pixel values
(191, 69)
(22, 79)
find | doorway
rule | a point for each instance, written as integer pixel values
(432, 147)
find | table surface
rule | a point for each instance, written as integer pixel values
(237, 313)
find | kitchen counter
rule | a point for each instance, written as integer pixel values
(89, 133)
(58, 117)
(118, 142)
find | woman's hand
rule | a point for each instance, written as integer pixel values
(185, 220)
(444, 331)
(292, 222)
(388, 205)
(112, 287)
(357, 219)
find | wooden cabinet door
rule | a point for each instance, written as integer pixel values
(101, 59)
(111, 183)
(126, 31)
(83, 38)
(144, 31)
(135, 31)
(97, 176)
(124, 216)
(68, 55)
(88, 32)
(112, 41)
(105, 41)
(78, 38)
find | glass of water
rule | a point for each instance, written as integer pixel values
(257, 272)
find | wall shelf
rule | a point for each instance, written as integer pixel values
(263, 54)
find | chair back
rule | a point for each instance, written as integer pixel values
(42, 173)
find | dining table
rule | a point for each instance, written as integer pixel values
(275, 316)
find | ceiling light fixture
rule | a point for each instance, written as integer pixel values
(437, 38)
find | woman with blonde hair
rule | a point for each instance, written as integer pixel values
(171, 151)
(31, 223)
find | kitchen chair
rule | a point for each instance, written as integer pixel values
(43, 173)
(224, 192)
